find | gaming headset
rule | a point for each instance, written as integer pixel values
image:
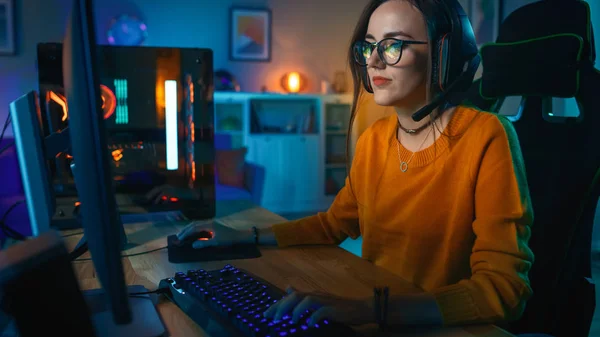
(454, 57)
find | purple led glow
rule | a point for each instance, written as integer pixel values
(143, 26)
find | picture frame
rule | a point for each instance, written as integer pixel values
(250, 34)
(7, 27)
(486, 17)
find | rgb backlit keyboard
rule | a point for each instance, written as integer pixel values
(235, 300)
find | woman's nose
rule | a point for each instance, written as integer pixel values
(374, 60)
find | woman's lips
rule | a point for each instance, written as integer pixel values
(380, 81)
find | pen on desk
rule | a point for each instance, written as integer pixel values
(377, 304)
(386, 295)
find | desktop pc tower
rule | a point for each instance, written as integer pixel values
(157, 107)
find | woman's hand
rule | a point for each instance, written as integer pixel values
(220, 235)
(323, 306)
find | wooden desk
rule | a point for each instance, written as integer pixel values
(324, 268)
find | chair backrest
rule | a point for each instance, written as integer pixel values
(554, 41)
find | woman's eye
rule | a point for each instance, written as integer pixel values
(392, 50)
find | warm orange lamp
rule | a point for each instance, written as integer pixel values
(293, 82)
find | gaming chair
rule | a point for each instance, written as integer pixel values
(546, 49)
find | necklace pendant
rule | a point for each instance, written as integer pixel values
(411, 131)
(403, 166)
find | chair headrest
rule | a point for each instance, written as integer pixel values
(541, 50)
(550, 17)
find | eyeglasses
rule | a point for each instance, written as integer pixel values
(389, 50)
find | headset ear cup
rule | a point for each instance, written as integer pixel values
(444, 77)
(435, 66)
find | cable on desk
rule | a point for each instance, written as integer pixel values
(146, 252)
(9, 232)
(6, 147)
(130, 255)
(72, 234)
(6, 124)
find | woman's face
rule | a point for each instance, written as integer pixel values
(405, 83)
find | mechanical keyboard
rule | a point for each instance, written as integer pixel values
(235, 300)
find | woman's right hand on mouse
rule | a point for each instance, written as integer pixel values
(220, 235)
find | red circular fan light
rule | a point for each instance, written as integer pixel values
(109, 101)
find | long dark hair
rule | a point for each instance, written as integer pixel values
(427, 8)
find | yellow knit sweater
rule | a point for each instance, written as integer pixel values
(456, 223)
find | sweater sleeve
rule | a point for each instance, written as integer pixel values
(501, 258)
(331, 227)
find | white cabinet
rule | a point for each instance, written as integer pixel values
(291, 162)
(269, 152)
(290, 136)
(303, 172)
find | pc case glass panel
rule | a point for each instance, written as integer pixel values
(155, 101)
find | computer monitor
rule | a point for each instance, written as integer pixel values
(116, 313)
(29, 141)
(34, 150)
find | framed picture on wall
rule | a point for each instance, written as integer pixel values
(250, 34)
(7, 27)
(485, 16)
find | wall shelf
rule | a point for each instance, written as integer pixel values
(300, 140)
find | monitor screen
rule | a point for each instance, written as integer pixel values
(157, 106)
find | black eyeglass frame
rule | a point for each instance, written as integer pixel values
(377, 46)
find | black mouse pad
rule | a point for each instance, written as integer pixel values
(185, 253)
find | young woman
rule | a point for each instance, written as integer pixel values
(442, 202)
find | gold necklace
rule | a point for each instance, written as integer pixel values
(404, 164)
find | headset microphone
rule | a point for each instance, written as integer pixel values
(468, 74)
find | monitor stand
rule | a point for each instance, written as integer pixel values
(146, 320)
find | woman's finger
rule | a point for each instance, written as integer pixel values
(199, 244)
(269, 312)
(272, 309)
(284, 305)
(309, 302)
(187, 230)
(320, 315)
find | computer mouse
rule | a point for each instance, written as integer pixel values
(165, 199)
(182, 251)
(190, 239)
